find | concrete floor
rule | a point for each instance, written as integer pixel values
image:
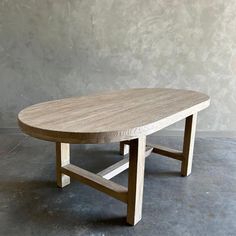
(31, 204)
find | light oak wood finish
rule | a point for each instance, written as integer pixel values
(185, 156)
(136, 180)
(165, 151)
(188, 145)
(115, 190)
(62, 159)
(124, 148)
(115, 117)
(115, 169)
(120, 166)
(110, 117)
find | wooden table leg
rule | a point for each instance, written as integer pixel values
(136, 180)
(62, 159)
(188, 145)
(124, 148)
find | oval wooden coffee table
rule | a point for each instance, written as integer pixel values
(125, 116)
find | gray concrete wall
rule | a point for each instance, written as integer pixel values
(53, 49)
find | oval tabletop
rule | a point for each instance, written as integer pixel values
(110, 116)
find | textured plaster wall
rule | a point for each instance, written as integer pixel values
(58, 48)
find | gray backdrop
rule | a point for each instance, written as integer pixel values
(58, 48)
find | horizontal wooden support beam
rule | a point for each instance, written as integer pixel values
(164, 151)
(115, 169)
(148, 151)
(119, 166)
(113, 189)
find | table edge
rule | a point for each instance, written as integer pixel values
(110, 136)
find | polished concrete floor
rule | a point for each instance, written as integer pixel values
(201, 204)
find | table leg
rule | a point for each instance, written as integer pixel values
(124, 148)
(188, 145)
(136, 180)
(62, 159)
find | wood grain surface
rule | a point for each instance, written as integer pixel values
(110, 116)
